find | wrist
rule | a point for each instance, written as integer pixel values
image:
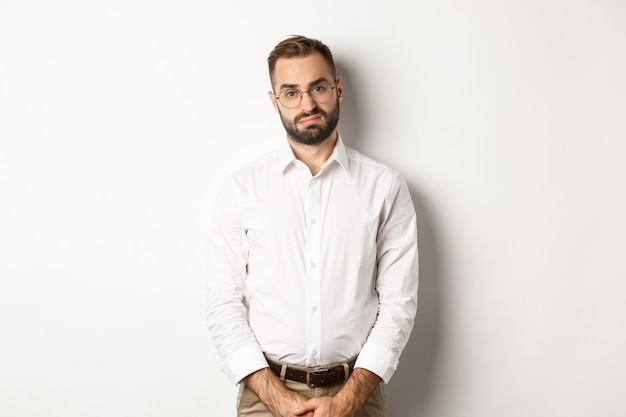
(357, 389)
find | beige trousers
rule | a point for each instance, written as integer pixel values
(249, 405)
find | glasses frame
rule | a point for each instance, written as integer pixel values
(333, 87)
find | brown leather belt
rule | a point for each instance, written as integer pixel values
(316, 377)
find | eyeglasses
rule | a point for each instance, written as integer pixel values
(291, 97)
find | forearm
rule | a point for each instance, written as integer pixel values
(273, 393)
(357, 389)
(265, 385)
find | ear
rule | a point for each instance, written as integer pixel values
(274, 101)
(339, 84)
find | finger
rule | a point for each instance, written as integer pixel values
(308, 406)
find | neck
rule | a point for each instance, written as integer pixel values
(314, 156)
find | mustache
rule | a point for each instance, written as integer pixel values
(311, 113)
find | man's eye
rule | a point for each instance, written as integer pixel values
(290, 93)
(319, 88)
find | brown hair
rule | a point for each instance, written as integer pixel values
(298, 46)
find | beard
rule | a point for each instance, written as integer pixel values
(313, 134)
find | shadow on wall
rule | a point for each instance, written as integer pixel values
(408, 391)
(350, 120)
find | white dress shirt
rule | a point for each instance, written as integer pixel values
(312, 270)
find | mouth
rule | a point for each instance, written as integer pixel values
(309, 120)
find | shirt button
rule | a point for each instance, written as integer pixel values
(313, 221)
(313, 265)
(314, 309)
(314, 353)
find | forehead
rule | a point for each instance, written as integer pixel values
(301, 71)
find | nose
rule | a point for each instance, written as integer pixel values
(307, 102)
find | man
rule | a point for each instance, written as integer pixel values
(312, 290)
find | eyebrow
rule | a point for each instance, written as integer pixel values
(295, 86)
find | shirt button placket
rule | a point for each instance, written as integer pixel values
(313, 236)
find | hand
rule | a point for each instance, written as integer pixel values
(324, 407)
(283, 404)
(347, 401)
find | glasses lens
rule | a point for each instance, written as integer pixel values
(289, 98)
(321, 93)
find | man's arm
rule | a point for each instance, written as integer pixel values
(396, 283)
(226, 313)
(347, 401)
(272, 392)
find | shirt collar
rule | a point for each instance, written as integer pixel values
(340, 154)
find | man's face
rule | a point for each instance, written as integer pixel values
(309, 122)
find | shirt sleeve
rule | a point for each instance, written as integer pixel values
(396, 283)
(226, 313)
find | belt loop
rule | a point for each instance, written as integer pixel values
(283, 372)
(346, 369)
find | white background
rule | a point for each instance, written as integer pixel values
(118, 119)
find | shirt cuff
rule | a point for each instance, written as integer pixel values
(378, 360)
(244, 361)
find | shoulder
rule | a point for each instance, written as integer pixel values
(364, 165)
(256, 168)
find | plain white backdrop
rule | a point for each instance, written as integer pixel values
(118, 120)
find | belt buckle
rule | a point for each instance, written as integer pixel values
(316, 373)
